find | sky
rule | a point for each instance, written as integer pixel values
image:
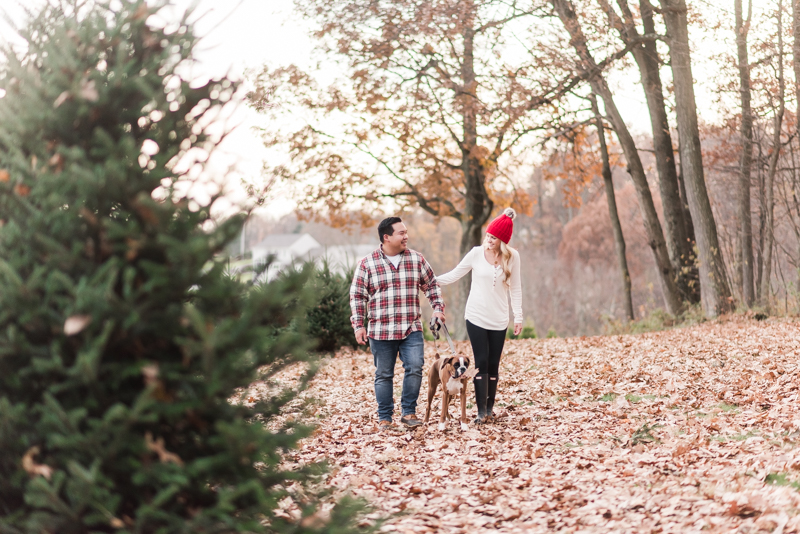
(246, 34)
(237, 35)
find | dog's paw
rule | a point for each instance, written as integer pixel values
(464, 427)
(441, 426)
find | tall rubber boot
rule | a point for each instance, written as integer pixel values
(481, 384)
(490, 397)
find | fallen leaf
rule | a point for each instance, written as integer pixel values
(157, 446)
(89, 90)
(22, 190)
(57, 162)
(61, 99)
(76, 323)
(32, 468)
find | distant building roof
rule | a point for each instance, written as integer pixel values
(279, 241)
(340, 258)
(351, 252)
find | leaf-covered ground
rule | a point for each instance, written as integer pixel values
(677, 431)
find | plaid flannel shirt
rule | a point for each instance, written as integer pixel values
(389, 296)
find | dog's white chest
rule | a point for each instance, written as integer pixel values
(454, 386)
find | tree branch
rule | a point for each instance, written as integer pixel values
(413, 191)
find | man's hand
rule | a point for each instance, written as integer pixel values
(517, 328)
(439, 315)
(361, 336)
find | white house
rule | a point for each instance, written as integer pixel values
(285, 249)
(288, 249)
(342, 258)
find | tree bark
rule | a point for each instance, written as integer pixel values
(478, 205)
(769, 185)
(714, 288)
(796, 55)
(672, 299)
(645, 54)
(616, 226)
(796, 65)
(745, 162)
(687, 217)
(762, 215)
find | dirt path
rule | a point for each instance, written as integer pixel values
(679, 431)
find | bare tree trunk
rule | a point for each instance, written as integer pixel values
(796, 55)
(796, 65)
(616, 226)
(762, 215)
(769, 185)
(687, 218)
(478, 205)
(736, 282)
(646, 55)
(745, 219)
(714, 287)
(672, 299)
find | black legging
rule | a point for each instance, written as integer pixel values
(487, 346)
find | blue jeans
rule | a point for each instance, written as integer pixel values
(384, 354)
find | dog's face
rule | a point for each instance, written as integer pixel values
(460, 365)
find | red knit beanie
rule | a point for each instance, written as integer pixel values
(503, 226)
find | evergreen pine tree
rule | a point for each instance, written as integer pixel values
(122, 341)
(329, 316)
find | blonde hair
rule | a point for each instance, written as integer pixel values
(505, 260)
(505, 250)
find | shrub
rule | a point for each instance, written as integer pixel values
(528, 332)
(329, 316)
(656, 320)
(121, 338)
(426, 332)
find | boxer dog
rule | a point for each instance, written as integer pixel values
(452, 372)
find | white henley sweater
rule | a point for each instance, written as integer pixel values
(487, 305)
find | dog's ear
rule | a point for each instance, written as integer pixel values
(448, 360)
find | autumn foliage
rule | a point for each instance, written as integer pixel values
(679, 431)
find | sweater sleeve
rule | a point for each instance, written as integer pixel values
(461, 269)
(428, 284)
(516, 288)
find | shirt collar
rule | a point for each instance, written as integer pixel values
(383, 252)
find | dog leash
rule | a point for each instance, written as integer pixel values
(435, 326)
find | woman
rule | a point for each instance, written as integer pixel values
(495, 273)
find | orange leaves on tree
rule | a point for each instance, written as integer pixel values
(575, 162)
(413, 129)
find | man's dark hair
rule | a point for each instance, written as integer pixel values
(385, 227)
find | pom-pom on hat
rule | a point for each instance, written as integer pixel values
(503, 226)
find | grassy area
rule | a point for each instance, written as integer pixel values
(781, 479)
(655, 321)
(733, 437)
(644, 434)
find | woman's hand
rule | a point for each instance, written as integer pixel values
(517, 328)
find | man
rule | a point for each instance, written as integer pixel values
(385, 290)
